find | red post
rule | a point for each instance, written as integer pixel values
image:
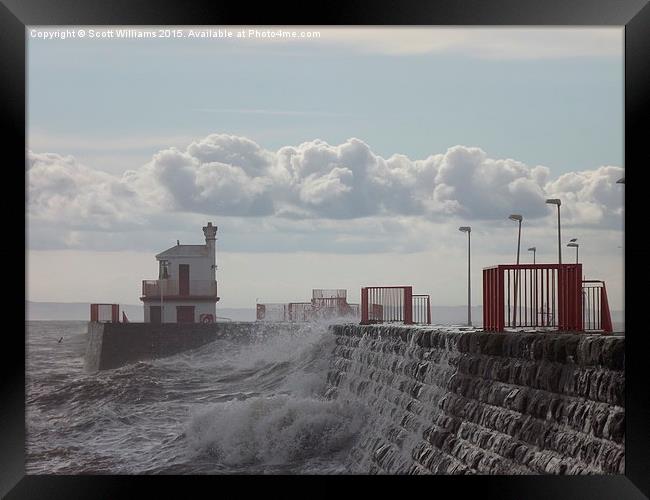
(408, 305)
(500, 302)
(577, 294)
(115, 313)
(260, 311)
(364, 306)
(485, 304)
(605, 315)
(428, 309)
(94, 312)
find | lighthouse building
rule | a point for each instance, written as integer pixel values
(186, 288)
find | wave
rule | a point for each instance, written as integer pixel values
(274, 430)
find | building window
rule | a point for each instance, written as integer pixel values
(163, 270)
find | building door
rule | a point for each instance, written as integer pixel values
(183, 279)
(185, 314)
(154, 314)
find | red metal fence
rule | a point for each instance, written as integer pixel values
(394, 304)
(105, 313)
(538, 295)
(422, 309)
(325, 304)
(199, 288)
(299, 311)
(272, 312)
(595, 307)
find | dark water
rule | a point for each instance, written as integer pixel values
(223, 408)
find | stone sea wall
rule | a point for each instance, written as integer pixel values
(468, 402)
(111, 345)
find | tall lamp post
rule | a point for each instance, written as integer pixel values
(468, 230)
(534, 250)
(517, 218)
(574, 245)
(555, 201)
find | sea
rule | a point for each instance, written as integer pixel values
(225, 408)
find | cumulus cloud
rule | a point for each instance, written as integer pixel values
(589, 196)
(225, 175)
(61, 191)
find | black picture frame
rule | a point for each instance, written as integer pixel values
(15, 15)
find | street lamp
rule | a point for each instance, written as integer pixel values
(534, 250)
(518, 218)
(555, 201)
(468, 230)
(621, 181)
(575, 245)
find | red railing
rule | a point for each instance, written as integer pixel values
(299, 311)
(595, 307)
(387, 304)
(105, 313)
(307, 311)
(422, 309)
(272, 312)
(169, 287)
(533, 295)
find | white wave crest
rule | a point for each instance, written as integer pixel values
(274, 430)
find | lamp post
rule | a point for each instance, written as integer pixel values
(574, 245)
(534, 250)
(518, 218)
(468, 230)
(555, 201)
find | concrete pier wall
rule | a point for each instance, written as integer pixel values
(449, 402)
(111, 345)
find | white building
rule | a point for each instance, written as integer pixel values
(186, 288)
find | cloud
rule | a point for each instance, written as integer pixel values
(229, 176)
(63, 192)
(590, 197)
(479, 42)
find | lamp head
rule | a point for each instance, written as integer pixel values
(465, 229)
(554, 201)
(532, 249)
(516, 217)
(573, 245)
(621, 181)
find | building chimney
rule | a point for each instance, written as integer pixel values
(210, 233)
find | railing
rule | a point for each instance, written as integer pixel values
(299, 311)
(272, 312)
(105, 313)
(387, 304)
(422, 309)
(305, 311)
(324, 293)
(532, 295)
(203, 288)
(595, 307)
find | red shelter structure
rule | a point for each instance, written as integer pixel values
(543, 295)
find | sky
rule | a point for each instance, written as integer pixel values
(346, 159)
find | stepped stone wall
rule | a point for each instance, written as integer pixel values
(468, 402)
